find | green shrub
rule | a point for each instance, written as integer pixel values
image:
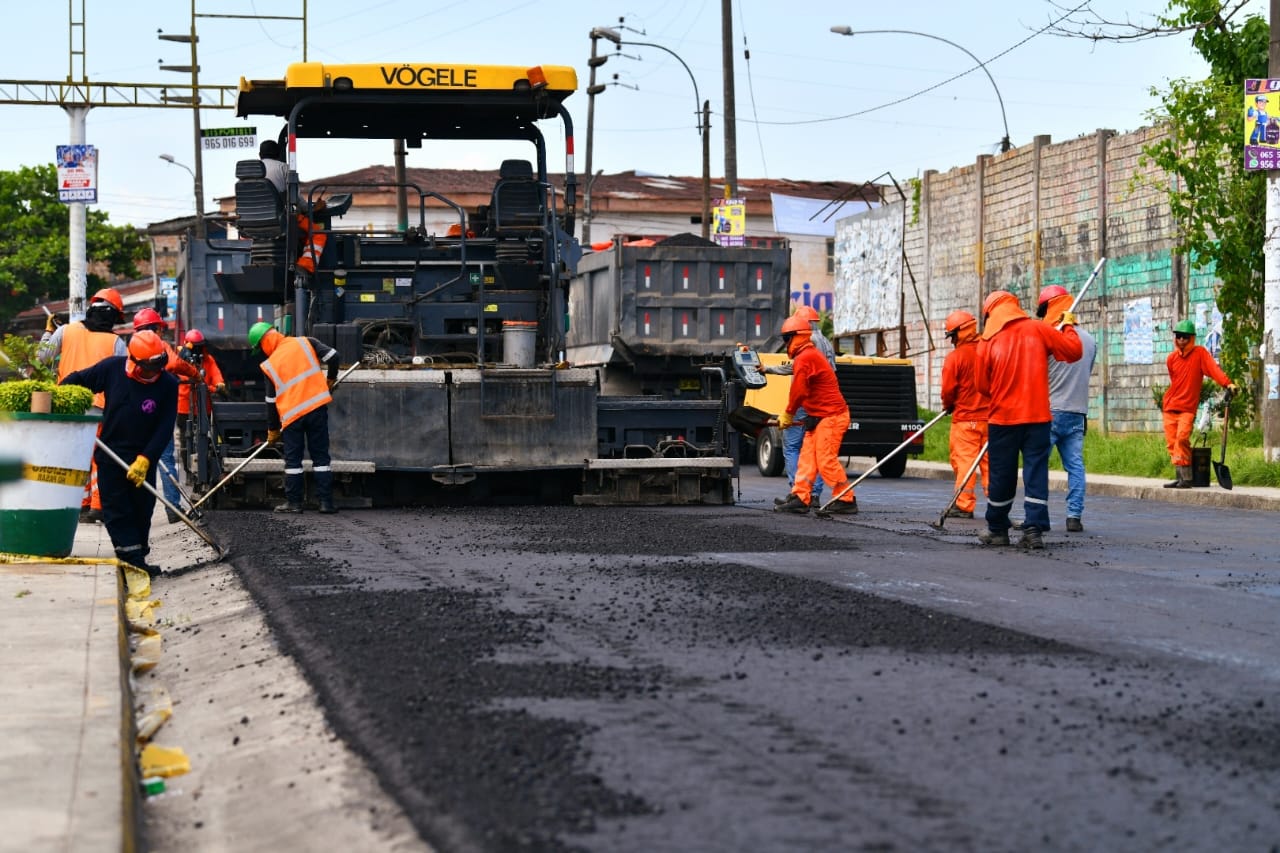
(15, 396)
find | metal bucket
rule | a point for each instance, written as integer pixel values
(519, 342)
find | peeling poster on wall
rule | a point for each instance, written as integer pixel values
(1137, 331)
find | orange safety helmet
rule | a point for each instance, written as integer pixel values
(195, 338)
(957, 320)
(1053, 291)
(146, 318)
(109, 295)
(995, 298)
(147, 354)
(807, 313)
(795, 325)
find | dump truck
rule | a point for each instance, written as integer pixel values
(656, 317)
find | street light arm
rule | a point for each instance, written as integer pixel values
(697, 99)
(170, 159)
(1005, 145)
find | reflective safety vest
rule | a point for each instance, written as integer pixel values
(313, 248)
(299, 379)
(82, 348)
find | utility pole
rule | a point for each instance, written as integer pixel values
(730, 107)
(1271, 282)
(194, 69)
(593, 89)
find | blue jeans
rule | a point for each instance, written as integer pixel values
(171, 493)
(1067, 434)
(1006, 442)
(792, 438)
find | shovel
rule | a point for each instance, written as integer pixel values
(941, 523)
(1220, 469)
(821, 512)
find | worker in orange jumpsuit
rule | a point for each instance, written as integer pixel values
(83, 344)
(969, 409)
(815, 388)
(149, 320)
(1188, 365)
(194, 351)
(1013, 370)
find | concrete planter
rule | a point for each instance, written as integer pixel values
(39, 513)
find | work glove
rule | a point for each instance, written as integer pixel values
(138, 471)
(220, 389)
(273, 436)
(1068, 319)
(50, 323)
(331, 383)
(785, 420)
(1233, 389)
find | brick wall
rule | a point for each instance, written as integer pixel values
(1044, 214)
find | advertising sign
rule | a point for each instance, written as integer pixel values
(1261, 114)
(730, 220)
(229, 138)
(77, 173)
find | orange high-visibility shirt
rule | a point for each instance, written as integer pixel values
(1186, 376)
(960, 394)
(300, 384)
(212, 379)
(82, 348)
(1013, 369)
(814, 385)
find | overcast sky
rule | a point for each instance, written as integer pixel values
(799, 81)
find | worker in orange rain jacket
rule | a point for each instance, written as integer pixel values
(149, 320)
(815, 388)
(312, 236)
(83, 344)
(969, 410)
(1188, 365)
(298, 409)
(195, 353)
(1013, 370)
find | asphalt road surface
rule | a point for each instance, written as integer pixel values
(728, 679)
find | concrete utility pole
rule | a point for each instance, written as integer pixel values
(1271, 283)
(730, 106)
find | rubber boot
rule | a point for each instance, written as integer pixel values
(324, 492)
(1184, 478)
(292, 494)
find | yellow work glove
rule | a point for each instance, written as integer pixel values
(138, 471)
(1233, 388)
(220, 389)
(331, 383)
(1068, 319)
(785, 420)
(273, 436)
(50, 323)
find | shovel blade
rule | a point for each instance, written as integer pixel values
(1223, 473)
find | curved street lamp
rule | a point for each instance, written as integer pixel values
(700, 110)
(1005, 144)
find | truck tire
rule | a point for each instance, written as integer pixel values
(769, 453)
(895, 467)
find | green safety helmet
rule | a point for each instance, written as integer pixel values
(257, 331)
(1185, 327)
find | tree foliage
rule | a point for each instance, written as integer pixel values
(34, 245)
(1220, 208)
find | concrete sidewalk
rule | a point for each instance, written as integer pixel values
(67, 781)
(68, 778)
